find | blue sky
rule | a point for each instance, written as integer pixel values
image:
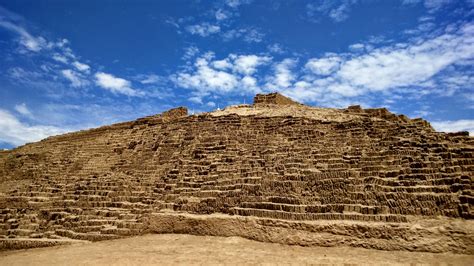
(71, 65)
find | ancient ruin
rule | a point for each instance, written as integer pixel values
(275, 171)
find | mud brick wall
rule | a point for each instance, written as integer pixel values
(273, 98)
(102, 183)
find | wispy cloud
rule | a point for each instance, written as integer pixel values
(219, 21)
(249, 35)
(22, 109)
(190, 52)
(75, 78)
(431, 5)
(337, 11)
(150, 79)
(276, 48)
(64, 68)
(237, 3)
(81, 66)
(222, 14)
(28, 41)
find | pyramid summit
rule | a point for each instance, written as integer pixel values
(274, 171)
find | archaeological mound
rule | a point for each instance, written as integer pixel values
(274, 171)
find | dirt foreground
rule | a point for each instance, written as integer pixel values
(187, 249)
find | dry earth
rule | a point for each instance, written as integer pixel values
(187, 249)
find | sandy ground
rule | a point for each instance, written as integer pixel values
(186, 249)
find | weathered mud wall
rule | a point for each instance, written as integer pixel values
(375, 169)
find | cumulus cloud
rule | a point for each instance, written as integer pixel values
(207, 78)
(228, 75)
(203, 30)
(283, 76)
(115, 84)
(222, 64)
(455, 126)
(247, 64)
(15, 132)
(323, 66)
(249, 81)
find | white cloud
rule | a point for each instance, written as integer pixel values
(421, 67)
(433, 65)
(247, 64)
(203, 30)
(222, 64)
(249, 82)
(343, 89)
(115, 84)
(195, 99)
(360, 47)
(206, 78)
(283, 76)
(455, 126)
(74, 77)
(249, 35)
(60, 58)
(81, 66)
(323, 66)
(221, 76)
(14, 132)
(22, 109)
(393, 67)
